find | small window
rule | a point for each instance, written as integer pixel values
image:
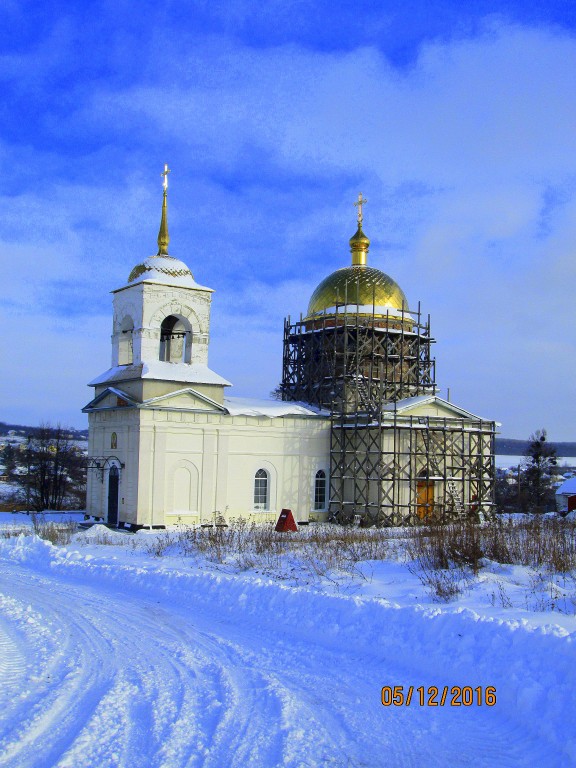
(320, 490)
(261, 489)
(114, 441)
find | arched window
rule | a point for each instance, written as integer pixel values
(125, 342)
(320, 490)
(114, 441)
(175, 341)
(261, 490)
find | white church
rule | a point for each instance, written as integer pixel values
(359, 433)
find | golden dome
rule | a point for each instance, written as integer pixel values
(358, 288)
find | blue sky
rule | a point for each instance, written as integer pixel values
(456, 120)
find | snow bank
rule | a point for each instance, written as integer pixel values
(532, 668)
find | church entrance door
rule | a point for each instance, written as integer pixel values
(113, 488)
(424, 498)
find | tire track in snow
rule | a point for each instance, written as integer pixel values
(160, 705)
(135, 680)
(12, 661)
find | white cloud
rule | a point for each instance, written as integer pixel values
(457, 155)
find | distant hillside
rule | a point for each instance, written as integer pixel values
(508, 446)
(24, 431)
(505, 446)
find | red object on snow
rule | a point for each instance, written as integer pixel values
(286, 522)
(571, 502)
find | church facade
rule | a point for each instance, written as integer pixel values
(359, 433)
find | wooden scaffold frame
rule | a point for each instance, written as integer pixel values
(386, 468)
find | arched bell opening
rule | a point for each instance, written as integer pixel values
(125, 342)
(175, 340)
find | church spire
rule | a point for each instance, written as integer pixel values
(359, 243)
(163, 236)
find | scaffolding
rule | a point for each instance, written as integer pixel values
(386, 467)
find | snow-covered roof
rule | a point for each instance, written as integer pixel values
(248, 406)
(191, 373)
(411, 402)
(163, 269)
(567, 488)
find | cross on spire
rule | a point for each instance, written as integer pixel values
(163, 236)
(359, 203)
(165, 173)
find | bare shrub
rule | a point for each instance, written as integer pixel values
(443, 555)
(102, 538)
(320, 549)
(503, 596)
(443, 585)
(56, 533)
(13, 531)
(496, 537)
(535, 541)
(446, 555)
(158, 545)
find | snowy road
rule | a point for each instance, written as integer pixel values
(98, 671)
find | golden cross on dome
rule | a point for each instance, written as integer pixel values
(165, 174)
(360, 202)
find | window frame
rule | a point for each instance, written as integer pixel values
(261, 478)
(321, 475)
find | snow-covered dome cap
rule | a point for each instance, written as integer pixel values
(163, 268)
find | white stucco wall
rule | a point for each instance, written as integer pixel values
(219, 455)
(194, 467)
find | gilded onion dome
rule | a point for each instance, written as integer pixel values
(358, 288)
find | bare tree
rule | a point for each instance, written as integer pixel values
(55, 476)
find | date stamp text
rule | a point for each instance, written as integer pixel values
(432, 696)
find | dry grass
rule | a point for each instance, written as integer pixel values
(321, 550)
(547, 543)
(12, 531)
(445, 557)
(160, 544)
(56, 533)
(102, 538)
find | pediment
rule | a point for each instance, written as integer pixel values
(111, 398)
(431, 406)
(187, 399)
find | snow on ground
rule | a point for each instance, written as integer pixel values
(111, 656)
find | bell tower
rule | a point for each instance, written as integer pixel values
(161, 327)
(159, 375)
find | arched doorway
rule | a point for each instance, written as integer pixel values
(113, 490)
